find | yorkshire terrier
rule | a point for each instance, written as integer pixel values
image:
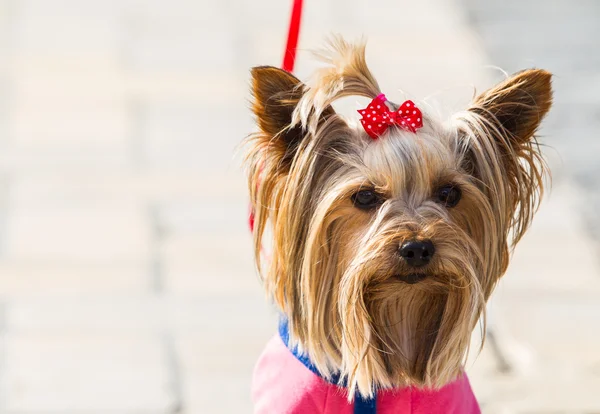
(387, 233)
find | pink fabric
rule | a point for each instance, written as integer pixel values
(282, 385)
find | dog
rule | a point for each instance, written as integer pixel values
(388, 232)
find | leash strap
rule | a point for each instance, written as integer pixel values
(361, 405)
(289, 56)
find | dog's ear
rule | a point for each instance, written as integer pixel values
(501, 149)
(517, 105)
(276, 94)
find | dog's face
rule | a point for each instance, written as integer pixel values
(385, 251)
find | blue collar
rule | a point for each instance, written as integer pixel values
(361, 405)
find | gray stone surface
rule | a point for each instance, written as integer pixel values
(549, 301)
(127, 283)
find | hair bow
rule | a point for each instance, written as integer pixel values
(376, 118)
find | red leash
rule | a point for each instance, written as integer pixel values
(289, 58)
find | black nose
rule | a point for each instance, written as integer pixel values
(417, 253)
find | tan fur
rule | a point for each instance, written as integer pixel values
(333, 267)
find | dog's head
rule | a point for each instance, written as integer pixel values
(385, 251)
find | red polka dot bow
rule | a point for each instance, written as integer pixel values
(376, 118)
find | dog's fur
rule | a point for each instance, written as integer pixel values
(334, 270)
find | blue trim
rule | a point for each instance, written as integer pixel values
(361, 405)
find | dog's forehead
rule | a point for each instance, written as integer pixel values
(402, 158)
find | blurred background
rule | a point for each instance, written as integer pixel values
(126, 276)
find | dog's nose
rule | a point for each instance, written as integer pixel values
(417, 253)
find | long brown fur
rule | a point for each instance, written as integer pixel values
(333, 268)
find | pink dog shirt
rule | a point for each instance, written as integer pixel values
(282, 384)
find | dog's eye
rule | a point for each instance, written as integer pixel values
(449, 195)
(366, 199)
